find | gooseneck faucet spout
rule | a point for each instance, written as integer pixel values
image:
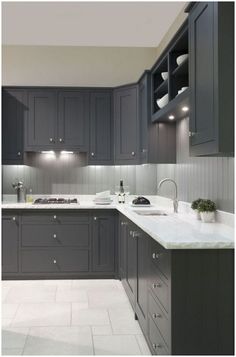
(175, 200)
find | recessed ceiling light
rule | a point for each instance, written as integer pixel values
(171, 117)
(185, 109)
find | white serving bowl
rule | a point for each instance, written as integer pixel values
(164, 75)
(181, 59)
(161, 102)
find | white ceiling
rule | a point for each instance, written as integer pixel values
(126, 24)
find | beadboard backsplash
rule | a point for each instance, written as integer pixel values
(66, 174)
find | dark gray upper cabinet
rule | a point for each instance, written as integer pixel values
(126, 125)
(103, 244)
(14, 112)
(40, 129)
(157, 140)
(10, 233)
(73, 120)
(101, 129)
(211, 44)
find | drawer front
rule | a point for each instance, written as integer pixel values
(42, 235)
(159, 318)
(55, 217)
(156, 341)
(54, 260)
(160, 258)
(159, 288)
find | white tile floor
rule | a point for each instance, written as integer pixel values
(69, 317)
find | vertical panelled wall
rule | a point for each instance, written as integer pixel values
(196, 177)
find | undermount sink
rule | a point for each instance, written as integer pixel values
(151, 212)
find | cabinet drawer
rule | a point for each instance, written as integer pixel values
(43, 235)
(159, 288)
(55, 217)
(160, 258)
(157, 342)
(54, 260)
(159, 318)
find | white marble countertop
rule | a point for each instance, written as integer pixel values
(174, 231)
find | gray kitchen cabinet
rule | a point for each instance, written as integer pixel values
(10, 242)
(101, 129)
(157, 140)
(73, 120)
(41, 124)
(103, 243)
(211, 51)
(123, 226)
(126, 125)
(14, 113)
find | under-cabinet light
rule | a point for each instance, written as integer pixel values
(171, 117)
(48, 152)
(185, 109)
(66, 152)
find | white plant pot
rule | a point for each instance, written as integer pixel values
(197, 214)
(207, 217)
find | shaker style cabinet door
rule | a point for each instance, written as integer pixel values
(126, 125)
(73, 120)
(103, 244)
(10, 244)
(101, 129)
(40, 131)
(131, 272)
(14, 112)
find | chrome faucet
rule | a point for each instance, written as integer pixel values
(175, 200)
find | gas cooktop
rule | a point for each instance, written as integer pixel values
(43, 201)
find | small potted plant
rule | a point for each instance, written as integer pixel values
(207, 210)
(194, 207)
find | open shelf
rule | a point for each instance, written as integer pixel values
(163, 88)
(182, 69)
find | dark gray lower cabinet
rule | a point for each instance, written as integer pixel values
(103, 243)
(10, 242)
(183, 299)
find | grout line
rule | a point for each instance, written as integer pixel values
(110, 322)
(91, 331)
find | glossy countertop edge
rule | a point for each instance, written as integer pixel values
(201, 232)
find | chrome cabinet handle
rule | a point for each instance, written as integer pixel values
(124, 223)
(51, 140)
(130, 233)
(155, 255)
(136, 234)
(19, 153)
(156, 285)
(54, 261)
(156, 315)
(191, 133)
(60, 140)
(156, 345)
(92, 153)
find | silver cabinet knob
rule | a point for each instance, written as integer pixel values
(191, 133)
(155, 255)
(130, 233)
(133, 153)
(51, 140)
(19, 153)
(135, 234)
(156, 345)
(60, 140)
(95, 218)
(123, 223)
(156, 285)
(54, 261)
(144, 150)
(55, 217)
(92, 153)
(54, 235)
(14, 218)
(156, 315)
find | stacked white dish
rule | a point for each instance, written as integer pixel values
(181, 59)
(161, 102)
(103, 198)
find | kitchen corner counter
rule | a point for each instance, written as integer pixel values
(174, 231)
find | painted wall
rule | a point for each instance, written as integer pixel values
(74, 66)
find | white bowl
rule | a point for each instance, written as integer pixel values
(164, 75)
(161, 102)
(181, 59)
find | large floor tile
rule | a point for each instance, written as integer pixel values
(143, 345)
(43, 314)
(106, 299)
(65, 283)
(89, 316)
(5, 291)
(30, 294)
(12, 351)
(123, 322)
(6, 322)
(14, 337)
(59, 341)
(95, 284)
(9, 310)
(116, 345)
(71, 295)
(102, 330)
